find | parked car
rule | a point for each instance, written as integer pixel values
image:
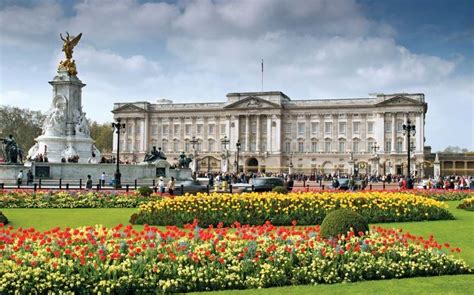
(260, 184)
(190, 187)
(344, 183)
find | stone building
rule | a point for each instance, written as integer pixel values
(276, 132)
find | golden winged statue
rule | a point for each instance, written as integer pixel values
(68, 47)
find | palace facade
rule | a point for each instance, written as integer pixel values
(275, 133)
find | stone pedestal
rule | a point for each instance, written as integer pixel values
(66, 129)
(436, 168)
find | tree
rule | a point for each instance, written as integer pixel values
(455, 149)
(103, 136)
(23, 124)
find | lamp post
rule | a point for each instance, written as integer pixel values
(237, 145)
(408, 131)
(118, 126)
(225, 141)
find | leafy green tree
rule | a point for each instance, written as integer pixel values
(23, 124)
(103, 136)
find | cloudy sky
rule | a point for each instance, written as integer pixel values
(199, 50)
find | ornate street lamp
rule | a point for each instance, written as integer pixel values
(237, 145)
(291, 164)
(117, 126)
(225, 142)
(375, 148)
(408, 130)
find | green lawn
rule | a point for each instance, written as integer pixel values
(459, 233)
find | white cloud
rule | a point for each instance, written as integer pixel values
(312, 49)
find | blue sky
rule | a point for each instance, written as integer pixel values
(199, 50)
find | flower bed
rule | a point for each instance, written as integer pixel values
(467, 204)
(280, 209)
(72, 199)
(122, 260)
(445, 195)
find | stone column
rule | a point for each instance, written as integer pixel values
(258, 135)
(419, 132)
(182, 132)
(144, 134)
(349, 135)
(269, 133)
(380, 131)
(234, 137)
(247, 133)
(205, 133)
(394, 133)
(334, 134)
(134, 134)
(125, 146)
(307, 138)
(277, 134)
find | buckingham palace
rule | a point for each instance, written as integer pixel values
(270, 132)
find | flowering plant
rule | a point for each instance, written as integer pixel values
(445, 195)
(280, 209)
(72, 199)
(123, 260)
(467, 204)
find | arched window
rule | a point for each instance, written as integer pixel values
(314, 146)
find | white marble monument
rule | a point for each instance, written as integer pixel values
(66, 134)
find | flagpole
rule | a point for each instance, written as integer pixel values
(262, 74)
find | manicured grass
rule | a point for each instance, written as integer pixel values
(456, 232)
(45, 219)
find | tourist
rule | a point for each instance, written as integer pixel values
(89, 182)
(290, 183)
(19, 178)
(171, 185)
(102, 179)
(29, 177)
(161, 185)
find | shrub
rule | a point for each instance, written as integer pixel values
(467, 204)
(341, 221)
(3, 218)
(145, 191)
(280, 190)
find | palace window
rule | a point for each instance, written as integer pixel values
(138, 129)
(223, 129)
(301, 147)
(253, 127)
(388, 146)
(211, 129)
(370, 127)
(327, 127)
(314, 127)
(187, 146)
(301, 127)
(314, 146)
(199, 129)
(253, 146)
(165, 129)
(175, 146)
(356, 127)
(176, 129)
(388, 127)
(355, 146)
(187, 129)
(211, 145)
(327, 146)
(154, 129)
(399, 146)
(399, 126)
(165, 146)
(199, 147)
(370, 146)
(342, 127)
(342, 146)
(287, 146)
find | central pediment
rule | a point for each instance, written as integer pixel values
(252, 102)
(129, 108)
(400, 100)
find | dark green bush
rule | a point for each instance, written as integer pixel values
(341, 221)
(145, 191)
(280, 190)
(3, 218)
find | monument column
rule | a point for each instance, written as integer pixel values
(404, 148)
(134, 134)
